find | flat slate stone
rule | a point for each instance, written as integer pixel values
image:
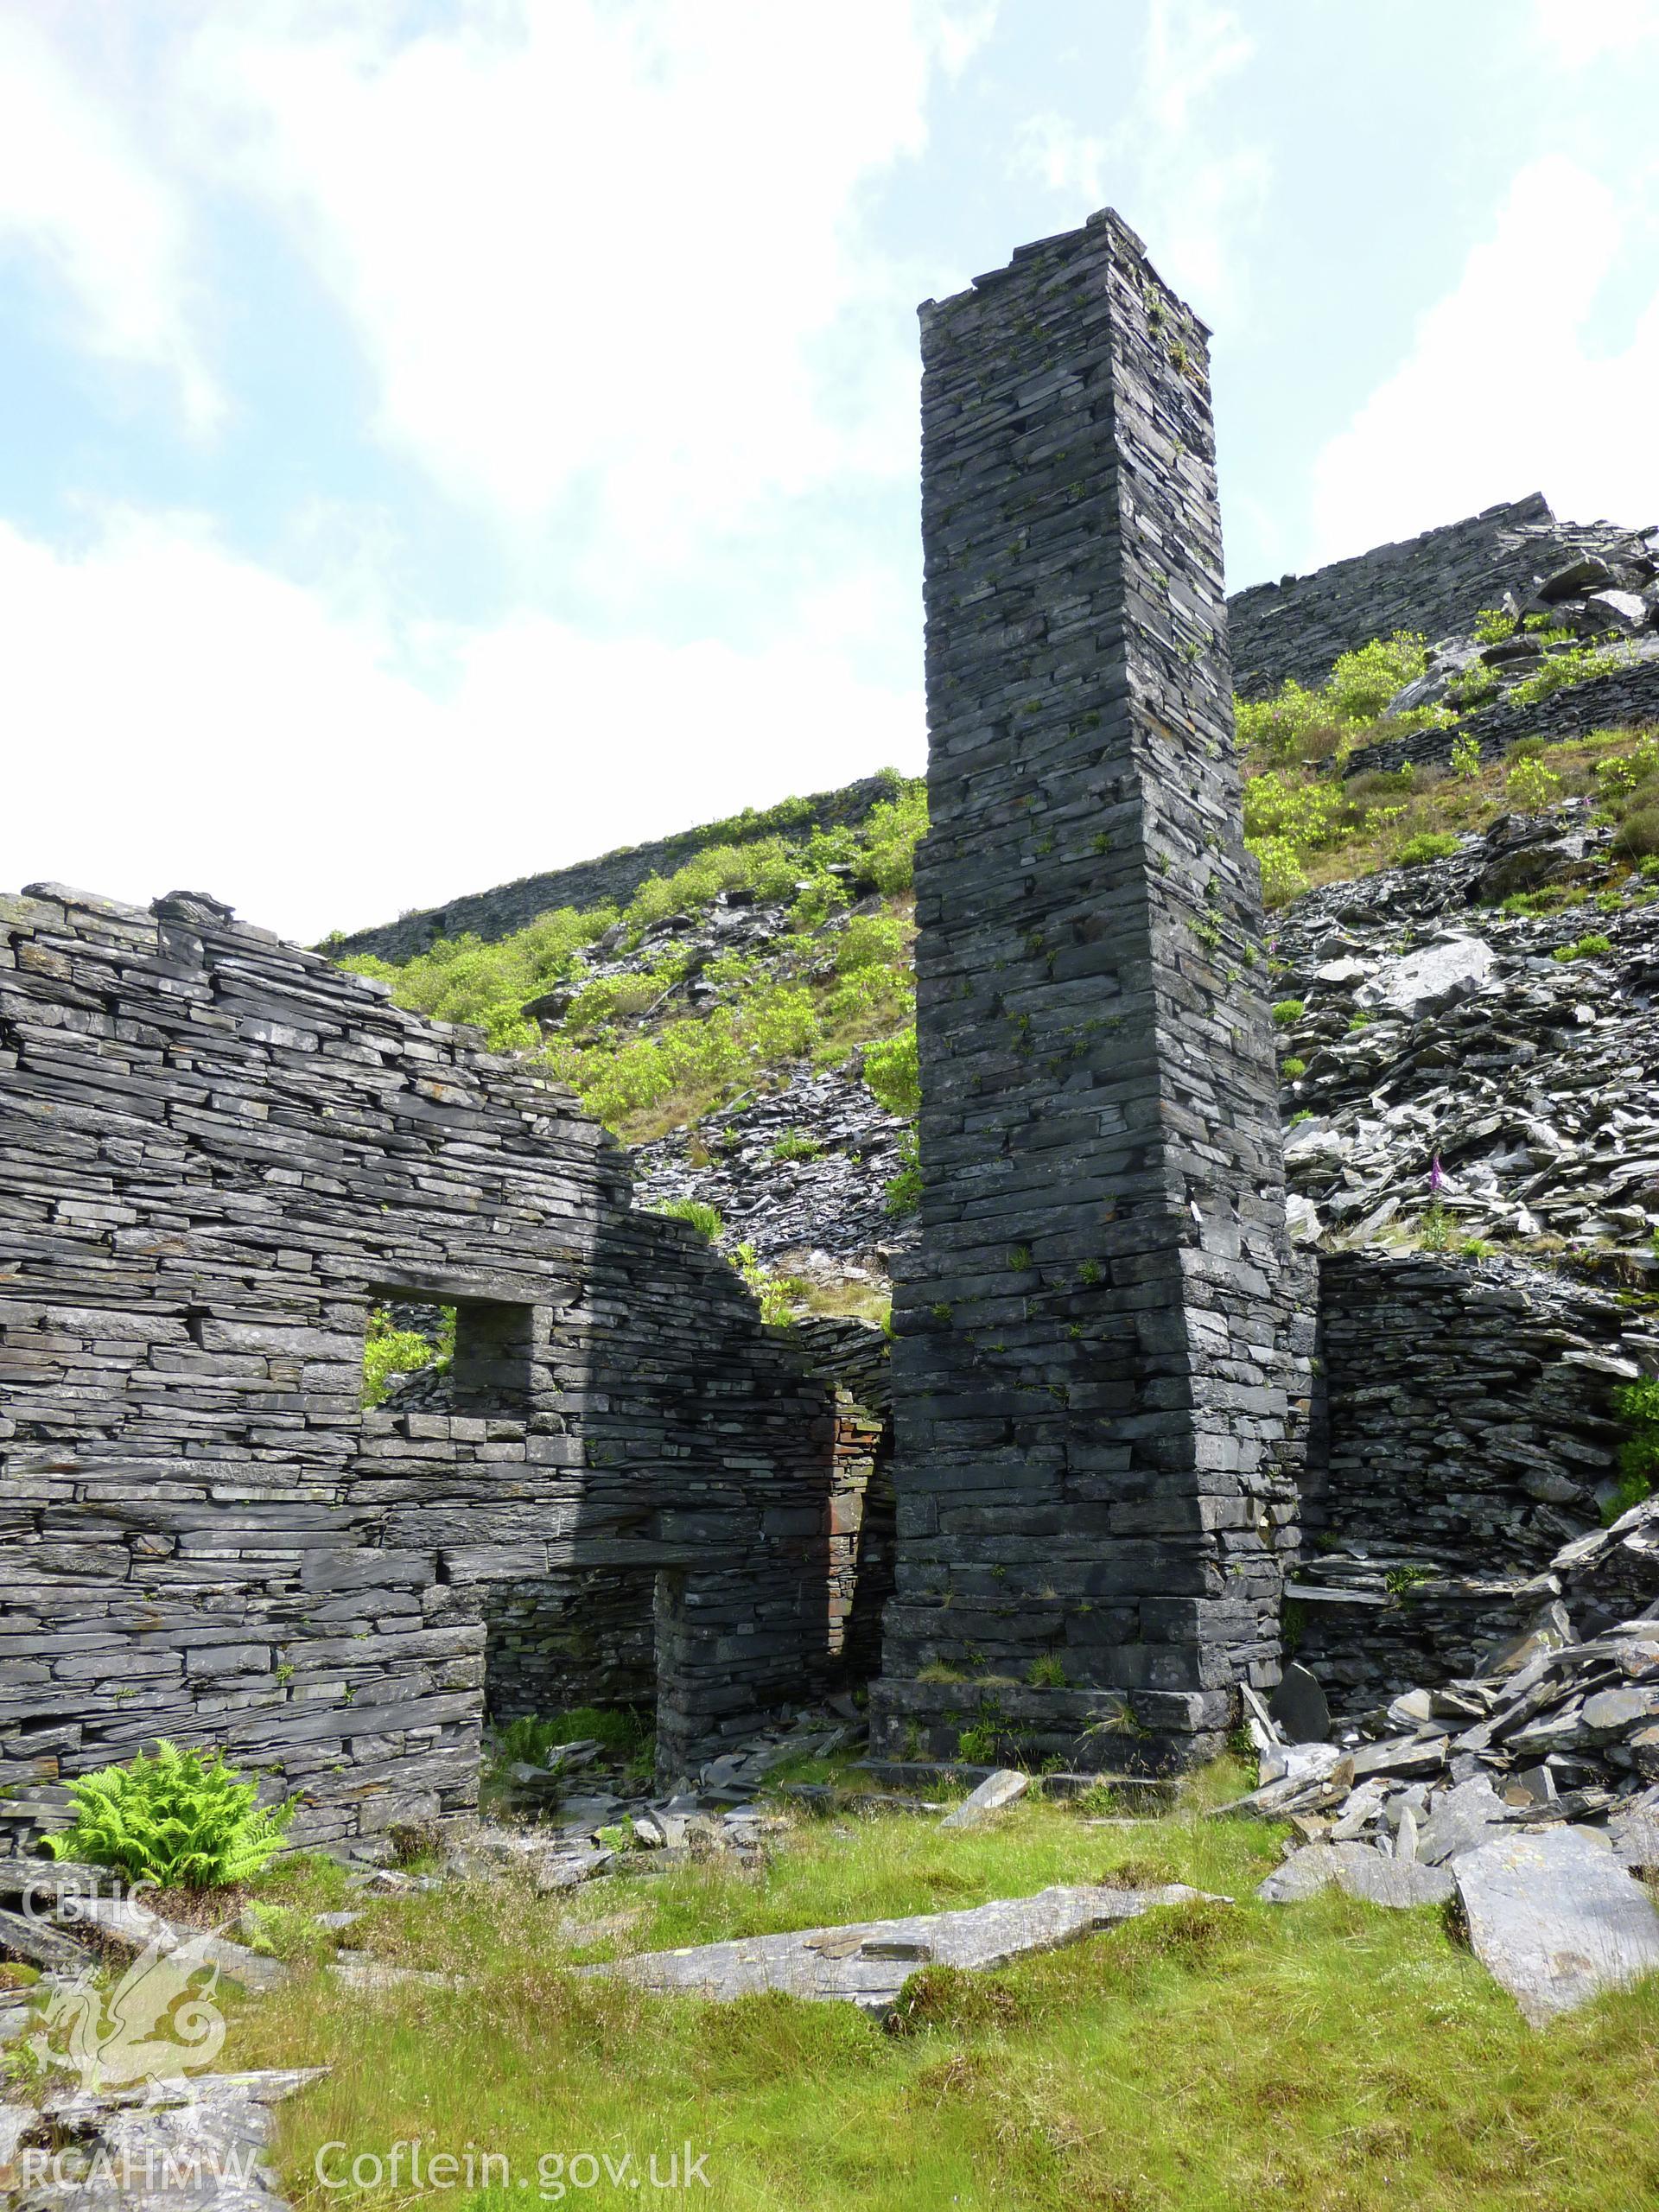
(1365, 1873)
(16, 2122)
(1358, 1871)
(1304, 1874)
(38, 1945)
(996, 1790)
(1401, 1755)
(1556, 1918)
(868, 1963)
(1636, 1841)
(198, 2129)
(1298, 1707)
(134, 1928)
(1461, 1821)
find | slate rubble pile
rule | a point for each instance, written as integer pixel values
(822, 1215)
(586, 1812)
(1559, 1726)
(820, 1202)
(1597, 597)
(734, 922)
(1451, 1060)
(1433, 583)
(1605, 596)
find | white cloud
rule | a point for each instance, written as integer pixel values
(1576, 36)
(1169, 168)
(1068, 160)
(193, 719)
(603, 257)
(80, 199)
(1501, 394)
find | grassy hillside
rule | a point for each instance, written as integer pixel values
(835, 977)
(1308, 823)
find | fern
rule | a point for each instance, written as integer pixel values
(178, 1820)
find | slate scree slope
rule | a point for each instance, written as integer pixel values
(1092, 1375)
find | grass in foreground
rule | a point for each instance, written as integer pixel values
(1330, 2056)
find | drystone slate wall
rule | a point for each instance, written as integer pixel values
(558, 1641)
(216, 1153)
(612, 879)
(1624, 698)
(587, 1638)
(1435, 583)
(1095, 1481)
(1463, 1433)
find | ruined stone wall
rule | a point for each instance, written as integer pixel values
(1093, 1482)
(1624, 698)
(588, 1638)
(216, 1153)
(1435, 583)
(1464, 1433)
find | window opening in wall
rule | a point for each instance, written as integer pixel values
(471, 1357)
(406, 1339)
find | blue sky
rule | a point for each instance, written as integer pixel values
(443, 438)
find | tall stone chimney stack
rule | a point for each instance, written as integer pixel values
(1095, 1498)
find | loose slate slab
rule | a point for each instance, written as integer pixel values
(1298, 1707)
(1462, 1820)
(16, 2123)
(134, 1928)
(1556, 1918)
(1360, 1872)
(996, 1790)
(215, 2130)
(1304, 1874)
(867, 1964)
(1636, 1841)
(38, 1945)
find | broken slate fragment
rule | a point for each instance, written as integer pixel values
(1304, 1874)
(996, 1790)
(1556, 1918)
(1403, 1755)
(1462, 1819)
(1635, 1842)
(1365, 1873)
(1297, 1707)
(1549, 1630)
(1360, 1872)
